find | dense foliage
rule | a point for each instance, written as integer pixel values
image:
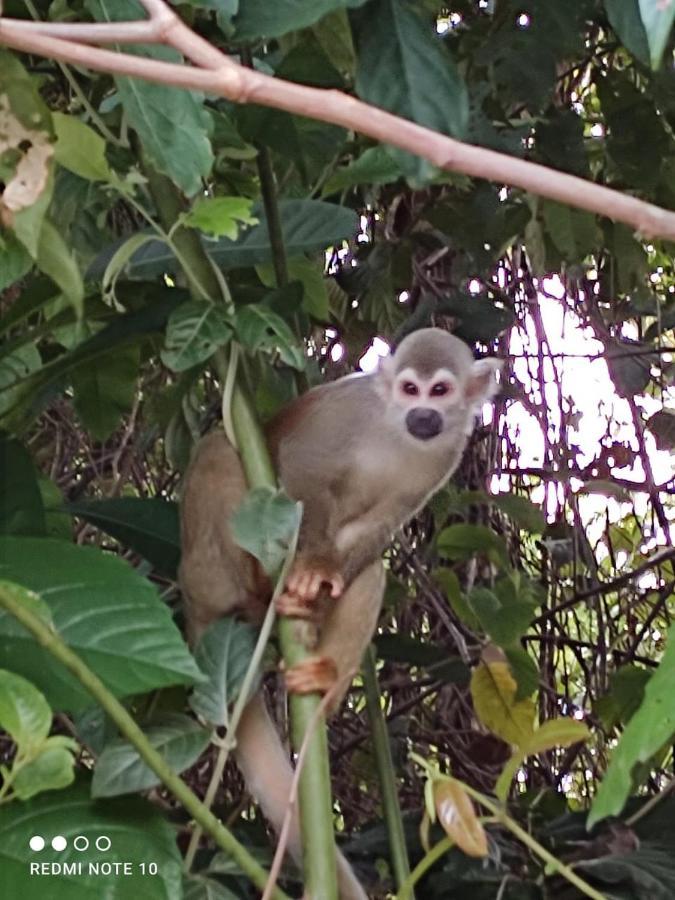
(144, 232)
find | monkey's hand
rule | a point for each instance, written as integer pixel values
(306, 581)
(315, 674)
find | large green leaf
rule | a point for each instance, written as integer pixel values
(265, 524)
(104, 390)
(80, 149)
(138, 833)
(194, 332)
(260, 328)
(404, 68)
(120, 770)
(625, 19)
(657, 18)
(15, 260)
(172, 123)
(223, 654)
(307, 226)
(148, 525)
(24, 713)
(433, 659)
(21, 507)
(648, 730)
(104, 610)
(259, 18)
(122, 331)
(464, 541)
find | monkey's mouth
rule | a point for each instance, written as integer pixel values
(424, 423)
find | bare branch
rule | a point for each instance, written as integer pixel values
(217, 74)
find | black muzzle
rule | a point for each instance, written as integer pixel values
(424, 423)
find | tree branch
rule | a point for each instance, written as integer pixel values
(215, 73)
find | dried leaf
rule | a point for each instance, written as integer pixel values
(457, 815)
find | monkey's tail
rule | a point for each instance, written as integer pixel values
(269, 775)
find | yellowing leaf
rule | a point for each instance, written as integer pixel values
(560, 732)
(493, 690)
(457, 815)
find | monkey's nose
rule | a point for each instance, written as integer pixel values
(424, 423)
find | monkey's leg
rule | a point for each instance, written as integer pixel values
(216, 576)
(345, 633)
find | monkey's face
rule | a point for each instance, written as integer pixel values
(427, 404)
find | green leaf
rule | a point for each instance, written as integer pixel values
(139, 834)
(625, 694)
(573, 231)
(147, 525)
(504, 622)
(259, 328)
(258, 18)
(172, 123)
(630, 374)
(80, 149)
(157, 302)
(103, 610)
(52, 768)
(15, 260)
(24, 713)
(522, 510)
(199, 887)
(434, 660)
(560, 732)
(58, 524)
(104, 390)
(315, 300)
(657, 18)
(54, 258)
(464, 541)
(265, 524)
(480, 319)
(14, 369)
(219, 216)
(307, 226)
(194, 332)
(647, 731)
(21, 507)
(120, 770)
(223, 655)
(404, 68)
(662, 426)
(524, 670)
(334, 35)
(374, 166)
(624, 17)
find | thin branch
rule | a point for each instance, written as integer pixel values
(221, 76)
(608, 587)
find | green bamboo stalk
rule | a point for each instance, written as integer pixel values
(53, 643)
(385, 771)
(315, 800)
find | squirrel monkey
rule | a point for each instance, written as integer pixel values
(363, 454)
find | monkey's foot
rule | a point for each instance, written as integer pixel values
(297, 607)
(316, 674)
(307, 579)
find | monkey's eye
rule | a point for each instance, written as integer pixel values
(409, 387)
(440, 389)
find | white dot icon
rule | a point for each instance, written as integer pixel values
(59, 842)
(81, 843)
(36, 842)
(103, 842)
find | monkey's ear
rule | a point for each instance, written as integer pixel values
(482, 381)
